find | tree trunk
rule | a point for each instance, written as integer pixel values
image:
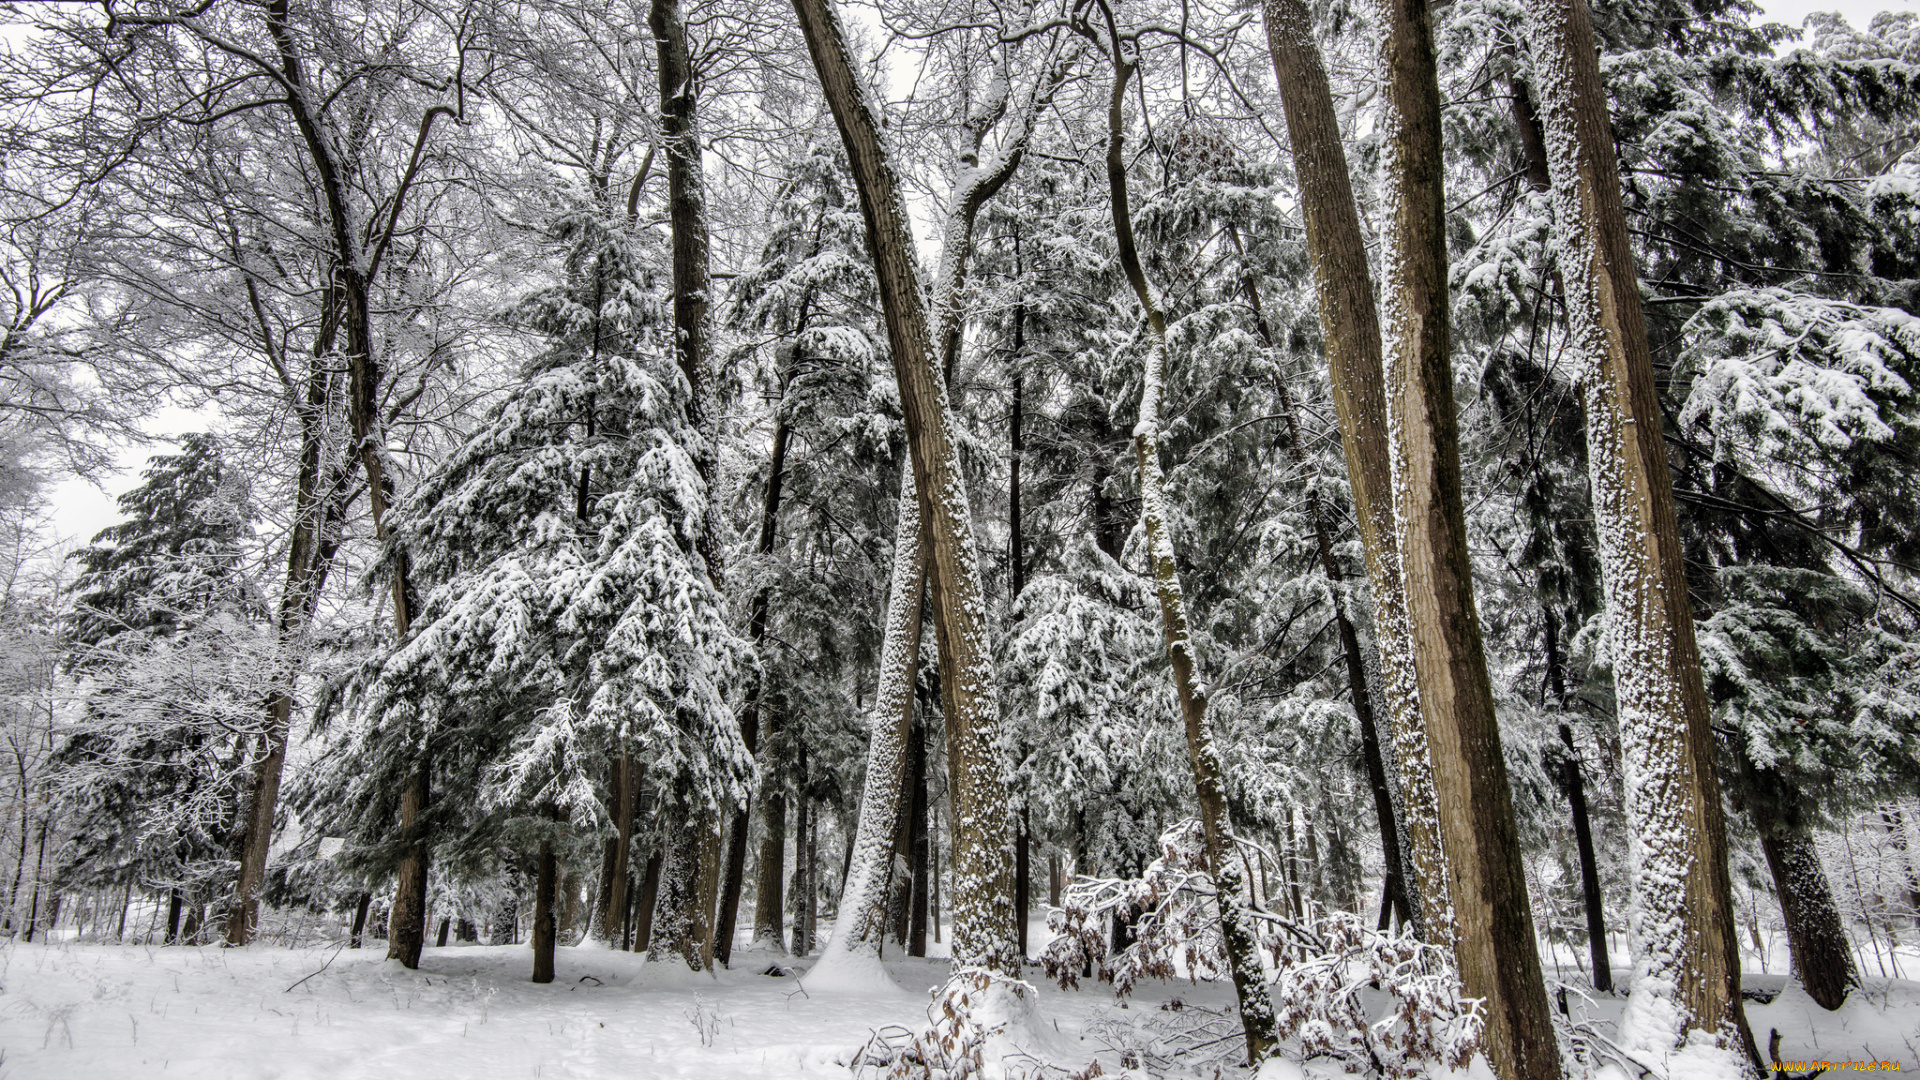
(863, 899)
(981, 864)
(1576, 790)
(1493, 937)
(1022, 885)
(544, 931)
(1351, 329)
(1222, 857)
(175, 904)
(1686, 957)
(769, 894)
(766, 904)
(360, 918)
(446, 924)
(917, 847)
(626, 798)
(645, 904)
(320, 491)
(803, 883)
(1822, 953)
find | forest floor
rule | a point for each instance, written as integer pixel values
(79, 1011)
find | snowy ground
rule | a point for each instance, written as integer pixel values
(82, 1011)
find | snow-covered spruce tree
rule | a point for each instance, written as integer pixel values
(166, 634)
(807, 306)
(570, 621)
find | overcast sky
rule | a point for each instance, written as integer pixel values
(80, 509)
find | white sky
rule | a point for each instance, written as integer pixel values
(78, 508)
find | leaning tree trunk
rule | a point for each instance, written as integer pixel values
(1222, 857)
(1686, 957)
(1822, 954)
(863, 900)
(983, 910)
(1493, 940)
(1350, 326)
(319, 494)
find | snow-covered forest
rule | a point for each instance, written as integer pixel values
(960, 539)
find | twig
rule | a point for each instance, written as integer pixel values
(323, 967)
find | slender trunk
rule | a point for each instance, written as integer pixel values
(175, 905)
(933, 884)
(646, 901)
(1576, 789)
(626, 798)
(1394, 886)
(750, 728)
(354, 271)
(1822, 953)
(319, 493)
(977, 764)
(1222, 857)
(1493, 939)
(803, 883)
(770, 881)
(1351, 328)
(126, 901)
(1022, 884)
(916, 938)
(544, 933)
(810, 898)
(1686, 957)
(360, 919)
(863, 898)
(600, 919)
(39, 875)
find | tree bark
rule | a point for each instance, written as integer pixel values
(1576, 789)
(360, 918)
(1686, 956)
(750, 726)
(645, 903)
(1222, 857)
(769, 897)
(320, 490)
(1351, 328)
(1493, 939)
(626, 798)
(544, 931)
(1822, 953)
(687, 219)
(863, 899)
(984, 907)
(916, 937)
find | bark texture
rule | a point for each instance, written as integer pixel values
(544, 890)
(1493, 940)
(1686, 957)
(1822, 954)
(1351, 328)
